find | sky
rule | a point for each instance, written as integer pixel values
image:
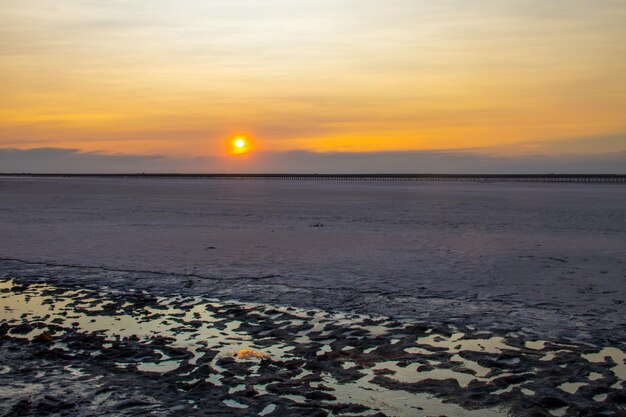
(325, 85)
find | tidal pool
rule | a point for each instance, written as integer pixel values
(271, 360)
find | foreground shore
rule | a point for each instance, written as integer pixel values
(68, 350)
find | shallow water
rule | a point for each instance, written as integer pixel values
(385, 365)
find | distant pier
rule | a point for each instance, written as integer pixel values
(571, 178)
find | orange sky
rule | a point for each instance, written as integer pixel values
(180, 78)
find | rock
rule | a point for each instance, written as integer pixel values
(21, 408)
(550, 402)
(319, 395)
(44, 337)
(22, 328)
(49, 405)
(250, 354)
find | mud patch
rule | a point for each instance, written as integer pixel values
(81, 351)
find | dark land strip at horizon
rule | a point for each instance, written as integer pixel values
(564, 178)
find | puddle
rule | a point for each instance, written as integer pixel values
(600, 397)
(559, 412)
(399, 403)
(297, 357)
(158, 367)
(234, 404)
(614, 354)
(535, 344)
(594, 376)
(268, 410)
(571, 387)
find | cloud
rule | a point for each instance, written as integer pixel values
(60, 160)
(55, 160)
(442, 162)
(581, 145)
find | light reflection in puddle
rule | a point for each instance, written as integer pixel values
(559, 412)
(456, 343)
(594, 376)
(400, 403)
(269, 409)
(234, 404)
(158, 367)
(600, 397)
(237, 388)
(616, 355)
(295, 398)
(411, 373)
(192, 325)
(552, 354)
(571, 387)
(418, 351)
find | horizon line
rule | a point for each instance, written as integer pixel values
(546, 177)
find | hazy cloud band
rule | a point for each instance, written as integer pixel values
(59, 160)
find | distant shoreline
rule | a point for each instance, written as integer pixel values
(576, 178)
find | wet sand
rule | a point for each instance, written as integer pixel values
(289, 298)
(69, 351)
(546, 259)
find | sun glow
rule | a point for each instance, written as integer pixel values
(239, 145)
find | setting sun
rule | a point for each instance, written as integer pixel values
(239, 145)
